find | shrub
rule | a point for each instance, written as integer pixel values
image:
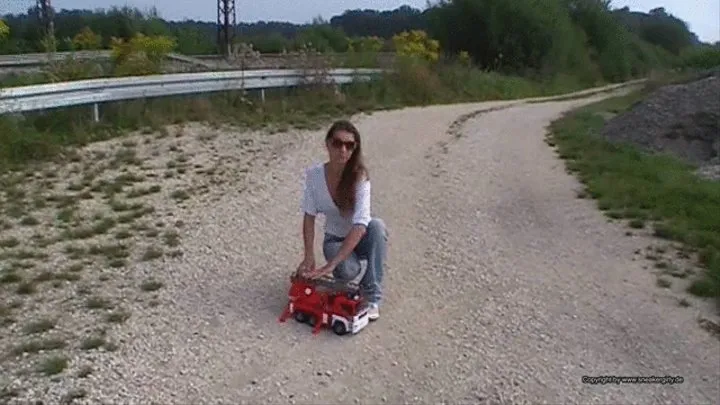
(4, 30)
(416, 44)
(705, 57)
(464, 58)
(142, 55)
(365, 44)
(86, 39)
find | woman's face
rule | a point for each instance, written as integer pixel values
(341, 146)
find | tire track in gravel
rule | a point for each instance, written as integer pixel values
(497, 291)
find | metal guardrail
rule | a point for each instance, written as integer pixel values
(96, 91)
(37, 59)
(40, 59)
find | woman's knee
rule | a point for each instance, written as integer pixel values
(376, 228)
(347, 270)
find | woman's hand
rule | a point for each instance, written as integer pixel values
(322, 271)
(306, 266)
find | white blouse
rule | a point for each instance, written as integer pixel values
(317, 200)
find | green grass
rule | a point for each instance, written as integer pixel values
(654, 191)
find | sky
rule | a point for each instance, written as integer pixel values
(702, 16)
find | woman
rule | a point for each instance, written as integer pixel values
(340, 190)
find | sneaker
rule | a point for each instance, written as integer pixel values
(373, 312)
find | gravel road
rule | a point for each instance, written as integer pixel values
(501, 286)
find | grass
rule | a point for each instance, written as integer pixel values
(53, 365)
(150, 285)
(40, 326)
(38, 345)
(652, 191)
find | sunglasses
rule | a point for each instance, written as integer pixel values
(336, 143)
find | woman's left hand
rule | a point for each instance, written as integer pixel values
(321, 271)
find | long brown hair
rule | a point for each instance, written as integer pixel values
(354, 168)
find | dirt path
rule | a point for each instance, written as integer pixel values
(502, 286)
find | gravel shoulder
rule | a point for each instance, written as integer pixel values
(502, 286)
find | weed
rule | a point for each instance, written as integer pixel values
(84, 372)
(637, 223)
(39, 326)
(117, 316)
(9, 242)
(26, 288)
(74, 268)
(10, 277)
(150, 285)
(92, 343)
(152, 253)
(75, 252)
(171, 238)
(67, 276)
(98, 303)
(117, 263)
(663, 282)
(123, 234)
(53, 365)
(29, 221)
(180, 195)
(116, 251)
(37, 345)
(72, 395)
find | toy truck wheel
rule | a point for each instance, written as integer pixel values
(312, 320)
(339, 328)
(301, 317)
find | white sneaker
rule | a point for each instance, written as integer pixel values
(373, 312)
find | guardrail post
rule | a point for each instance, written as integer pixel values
(262, 95)
(96, 112)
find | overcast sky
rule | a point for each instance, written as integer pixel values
(703, 16)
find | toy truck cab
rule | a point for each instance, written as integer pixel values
(325, 302)
(347, 313)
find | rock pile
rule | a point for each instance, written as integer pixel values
(681, 119)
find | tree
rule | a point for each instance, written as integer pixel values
(141, 55)
(87, 40)
(4, 31)
(511, 35)
(416, 44)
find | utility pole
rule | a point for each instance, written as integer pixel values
(46, 18)
(45, 15)
(226, 23)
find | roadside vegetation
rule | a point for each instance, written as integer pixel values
(656, 193)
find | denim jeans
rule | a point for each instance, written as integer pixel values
(372, 248)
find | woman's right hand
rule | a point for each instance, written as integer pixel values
(306, 266)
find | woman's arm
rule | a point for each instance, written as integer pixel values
(309, 209)
(309, 235)
(361, 219)
(351, 241)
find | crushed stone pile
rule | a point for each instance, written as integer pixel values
(681, 119)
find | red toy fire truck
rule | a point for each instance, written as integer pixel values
(323, 301)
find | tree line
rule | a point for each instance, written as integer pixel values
(585, 38)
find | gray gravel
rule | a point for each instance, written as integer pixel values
(502, 286)
(681, 119)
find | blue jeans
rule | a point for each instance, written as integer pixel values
(373, 248)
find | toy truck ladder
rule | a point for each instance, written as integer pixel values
(328, 284)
